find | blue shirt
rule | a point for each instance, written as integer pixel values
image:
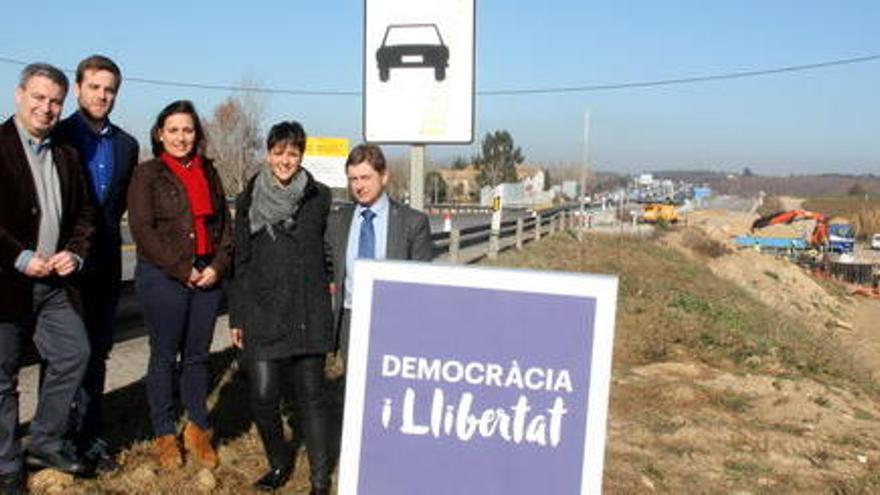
(380, 226)
(96, 153)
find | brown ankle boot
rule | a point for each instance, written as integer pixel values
(197, 442)
(168, 452)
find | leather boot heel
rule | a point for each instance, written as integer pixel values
(273, 480)
(168, 451)
(197, 442)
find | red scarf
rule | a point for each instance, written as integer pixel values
(199, 195)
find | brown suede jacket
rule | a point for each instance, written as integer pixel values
(161, 224)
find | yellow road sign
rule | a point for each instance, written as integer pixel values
(323, 146)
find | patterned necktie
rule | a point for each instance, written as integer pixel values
(367, 241)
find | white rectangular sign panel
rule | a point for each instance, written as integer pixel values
(419, 71)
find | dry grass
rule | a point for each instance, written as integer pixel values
(863, 212)
(241, 453)
(670, 307)
(670, 310)
(698, 241)
(750, 426)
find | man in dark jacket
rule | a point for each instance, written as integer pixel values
(45, 228)
(108, 156)
(375, 226)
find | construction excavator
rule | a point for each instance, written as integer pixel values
(837, 237)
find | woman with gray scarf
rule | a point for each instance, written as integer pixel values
(279, 303)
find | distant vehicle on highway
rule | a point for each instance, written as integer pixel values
(875, 241)
(407, 46)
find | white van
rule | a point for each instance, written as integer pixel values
(875, 241)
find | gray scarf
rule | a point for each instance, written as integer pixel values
(273, 203)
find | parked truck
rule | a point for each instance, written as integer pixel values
(659, 213)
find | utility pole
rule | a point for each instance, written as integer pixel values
(585, 161)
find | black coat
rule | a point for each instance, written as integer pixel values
(279, 293)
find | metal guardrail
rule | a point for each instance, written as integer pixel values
(471, 244)
(467, 245)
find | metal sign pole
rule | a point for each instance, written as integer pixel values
(417, 176)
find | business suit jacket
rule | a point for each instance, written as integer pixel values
(105, 257)
(20, 218)
(409, 238)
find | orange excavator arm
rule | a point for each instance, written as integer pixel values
(820, 233)
(788, 217)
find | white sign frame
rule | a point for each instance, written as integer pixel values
(410, 103)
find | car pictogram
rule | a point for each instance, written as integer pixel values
(407, 46)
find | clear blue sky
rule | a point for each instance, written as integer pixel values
(824, 120)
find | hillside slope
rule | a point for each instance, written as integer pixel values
(717, 390)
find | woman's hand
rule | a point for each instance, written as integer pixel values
(207, 278)
(194, 277)
(237, 337)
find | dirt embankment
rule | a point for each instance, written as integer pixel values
(686, 427)
(774, 280)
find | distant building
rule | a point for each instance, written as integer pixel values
(511, 194)
(701, 192)
(570, 189)
(461, 184)
(529, 191)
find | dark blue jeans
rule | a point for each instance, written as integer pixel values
(180, 320)
(62, 342)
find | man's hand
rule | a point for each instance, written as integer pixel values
(38, 267)
(237, 337)
(63, 263)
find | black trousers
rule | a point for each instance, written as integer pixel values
(62, 342)
(100, 296)
(303, 378)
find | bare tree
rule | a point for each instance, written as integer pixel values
(398, 178)
(235, 140)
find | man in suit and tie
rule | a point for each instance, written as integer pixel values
(108, 156)
(375, 226)
(46, 225)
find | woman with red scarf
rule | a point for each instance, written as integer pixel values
(181, 226)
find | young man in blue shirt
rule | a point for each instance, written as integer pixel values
(108, 156)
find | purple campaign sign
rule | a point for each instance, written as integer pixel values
(473, 389)
(534, 331)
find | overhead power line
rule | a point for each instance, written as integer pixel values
(510, 92)
(685, 80)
